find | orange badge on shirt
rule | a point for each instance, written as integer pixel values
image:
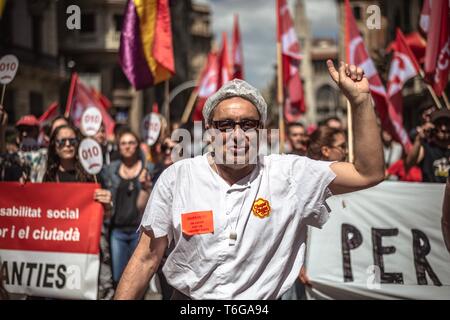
(261, 208)
(198, 222)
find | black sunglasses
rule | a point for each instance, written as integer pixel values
(166, 147)
(62, 142)
(245, 125)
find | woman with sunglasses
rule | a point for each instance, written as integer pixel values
(129, 181)
(63, 166)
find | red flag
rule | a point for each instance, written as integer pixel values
(437, 58)
(403, 67)
(224, 64)
(146, 51)
(357, 55)
(424, 22)
(106, 103)
(49, 114)
(290, 51)
(415, 42)
(82, 99)
(237, 54)
(208, 84)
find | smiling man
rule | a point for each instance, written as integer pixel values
(238, 221)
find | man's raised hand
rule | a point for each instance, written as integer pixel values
(351, 81)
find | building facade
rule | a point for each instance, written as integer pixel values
(36, 31)
(28, 30)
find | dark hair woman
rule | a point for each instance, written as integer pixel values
(130, 184)
(63, 166)
(327, 144)
(62, 159)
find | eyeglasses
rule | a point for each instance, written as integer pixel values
(343, 147)
(131, 143)
(62, 142)
(166, 147)
(245, 125)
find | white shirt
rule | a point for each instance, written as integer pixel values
(268, 253)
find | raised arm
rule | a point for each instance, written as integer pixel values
(368, 169)
(142, 266)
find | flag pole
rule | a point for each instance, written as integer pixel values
(430, 89)
(444, 95)
(73, 81)
(189, 106)
(280, 95)
(351, 153)
(3, 94)
(166, 103)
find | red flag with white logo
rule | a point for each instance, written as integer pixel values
(357, 55)
(207, 85)
(437, 56)
(403, 67)
(237, 54)
(84, 98)
(291, 56)
(424, 22)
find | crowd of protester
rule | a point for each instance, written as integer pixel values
(31, 153)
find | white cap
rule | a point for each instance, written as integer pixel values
(236, 88)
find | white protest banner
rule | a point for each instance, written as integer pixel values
(49, 239)
(150, 128)
(91, 156)
(381, 243)
(8, 68)
(91, 121)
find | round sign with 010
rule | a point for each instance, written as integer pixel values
(91, 156)
(8, 68)
(151, 128)
(91, 121)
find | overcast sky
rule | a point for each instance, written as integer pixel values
(257, 22)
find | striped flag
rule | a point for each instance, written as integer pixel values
(146, 51)
(2, 7)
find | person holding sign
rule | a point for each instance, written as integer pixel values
(239, 225)
(63, 166)
(130, 185)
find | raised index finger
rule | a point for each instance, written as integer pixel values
(332, 71)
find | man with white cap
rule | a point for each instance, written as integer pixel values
(238, 222)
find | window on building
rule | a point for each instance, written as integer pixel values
(357, 12)
(36, 31)
(6, 24)
(118, 18)
(120, 81)
(88, 23)
(36, 104)
(327, 102)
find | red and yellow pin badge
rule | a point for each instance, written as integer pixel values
(261, 208)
